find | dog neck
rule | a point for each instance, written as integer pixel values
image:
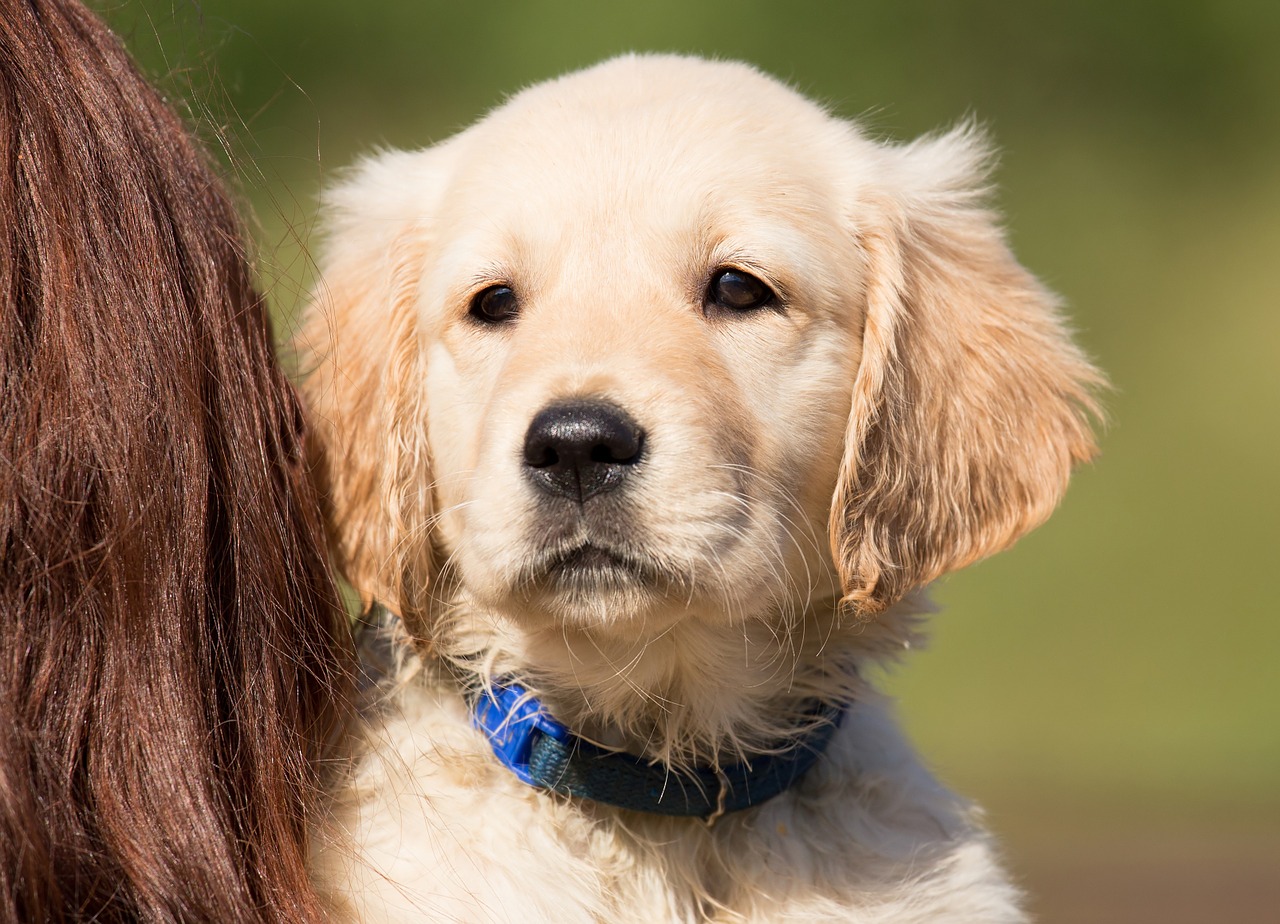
(696, 692)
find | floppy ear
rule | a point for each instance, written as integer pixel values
(970, 404)
(362, 363)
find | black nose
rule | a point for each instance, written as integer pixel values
(580, 448)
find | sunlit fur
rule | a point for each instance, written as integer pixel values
(173, 653)
(912, 404)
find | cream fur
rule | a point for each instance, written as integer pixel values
(913, 404)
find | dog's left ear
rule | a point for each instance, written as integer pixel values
(971, 404)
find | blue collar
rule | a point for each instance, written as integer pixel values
(543, 753)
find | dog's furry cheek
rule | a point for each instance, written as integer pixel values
(457, 393)
(800, 398)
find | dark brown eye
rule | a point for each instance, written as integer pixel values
(495, 305)
(736, 290)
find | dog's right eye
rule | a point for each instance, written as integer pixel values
(495, 305)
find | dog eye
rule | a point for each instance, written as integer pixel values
(495, 305)
(737, 290)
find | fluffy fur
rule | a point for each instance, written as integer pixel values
(909, 403)
(173, 656)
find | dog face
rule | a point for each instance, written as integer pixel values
(662, 341)
(637, 364)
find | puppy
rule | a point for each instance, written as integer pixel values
(649, 403)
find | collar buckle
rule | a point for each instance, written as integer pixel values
(514, 721)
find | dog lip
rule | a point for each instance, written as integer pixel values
(590, 563)
(590, 557)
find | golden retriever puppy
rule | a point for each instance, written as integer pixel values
(648, 403)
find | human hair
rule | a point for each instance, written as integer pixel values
(173, 652)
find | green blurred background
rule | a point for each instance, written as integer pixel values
(1109, 689)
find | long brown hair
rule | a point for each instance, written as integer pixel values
(172, 649)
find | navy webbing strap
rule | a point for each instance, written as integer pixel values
(542, 752)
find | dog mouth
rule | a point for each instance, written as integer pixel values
(592, 563)
(591, 566)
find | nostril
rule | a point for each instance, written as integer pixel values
(580, 448)
(540, 456)
(616, 440)
(623, 454)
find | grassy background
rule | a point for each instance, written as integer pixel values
(1109, 689)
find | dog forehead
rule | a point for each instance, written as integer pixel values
(660, 139)
(667, 99)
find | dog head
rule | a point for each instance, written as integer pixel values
(664, 340)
